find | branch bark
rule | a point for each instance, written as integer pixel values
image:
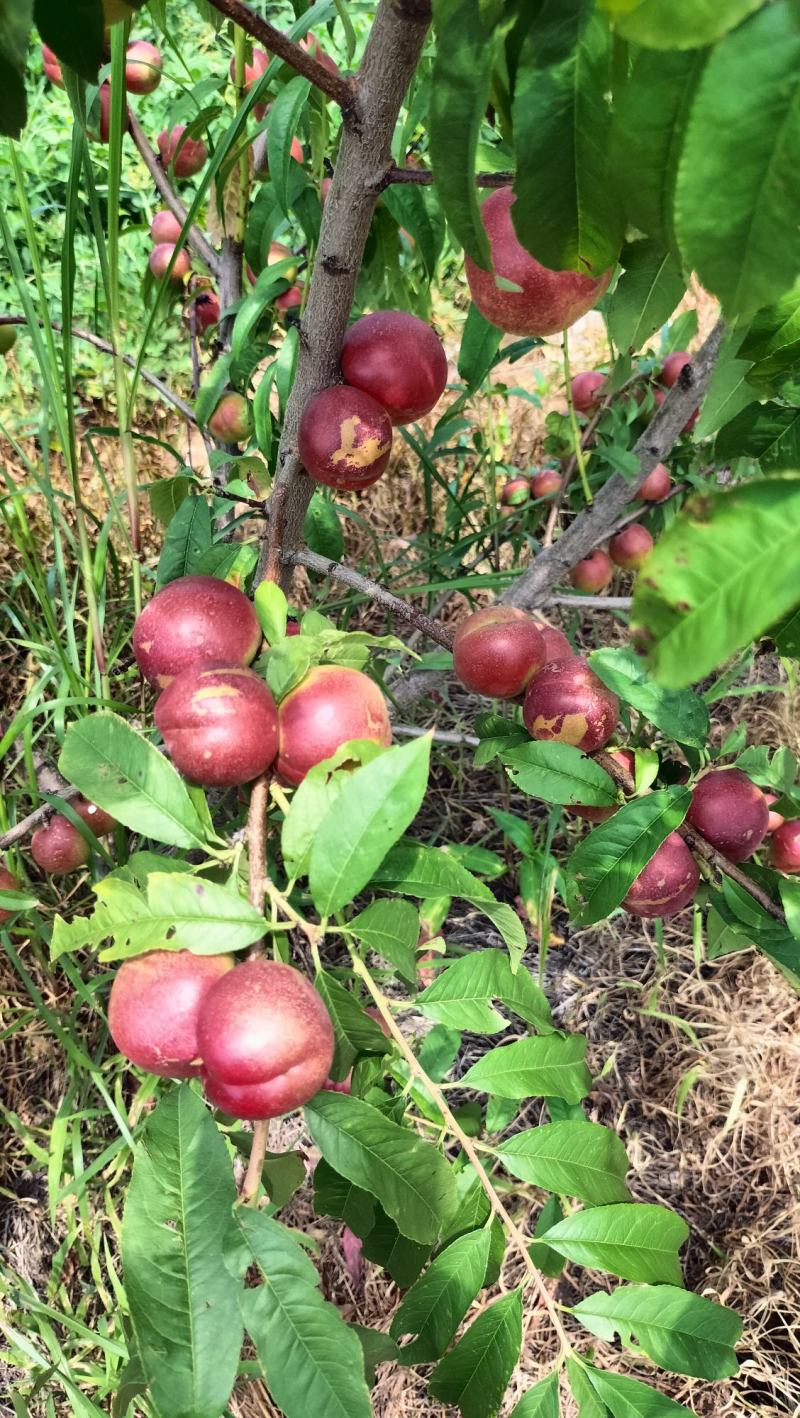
(334, 85)
(422, 177)
(390, 58)
(433, 629)
(195, 238)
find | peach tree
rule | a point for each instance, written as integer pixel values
(266, 900)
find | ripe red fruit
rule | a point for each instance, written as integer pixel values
(254, 71)
(160, 257)
(232, 419)
(547, 302)
(153, 1008)
(497, 650)
(626, 759)
(220, 725)
(556, 644)
(515, 492)
(8, 882)
(345, 438)
(673, 364)
(266, 1040)
(667, 884)
(330, 706)
(165, 228)
(143, 66)
(546, 483)
(784, 849)
(399, 360)
(656, 485)
(290, 299)
(58, 847)
(592, 574)
(99, 821)
(775, 820)
(730, 811)
(192, 156)
(52, 68)
(629, 547)
(206, 311)
(566, 701)
(586, 388)
(194, 621)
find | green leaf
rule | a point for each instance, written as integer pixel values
(15, 24)
(651, 112)
(284, 120)
(634, 1240)
(335, 1196)
(679, 713)
(459, 93)
(436, 1305)
(480, 341)
(722, 573)
(413, 209)
(356, 1032)
(166, 495)
(188, 538)
(567, 212)
(545, 1259)
(286, 663)
(768, 433)
(729, 390)
(737, 195)
(184, 1301)
(429, 873)
(628, 1398)
(575, 1159)
(589, 1405)
(678, 24)
(605, 864)
(541, 1401)
(313, 1361)
(75, 33)
(645, 296)
(377, 803)
(559, 773)
(118, 769)
(322, 530)
(391, 929)
(378, 1349)
(474, 1375)
(411, 1179)
(385, 1245)
(772, 339)
(681, 1332)
(271, 608)
(531, 1068)
(460, 995)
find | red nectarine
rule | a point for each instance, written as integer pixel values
(547, 301)
(160, 257)
(8, 882)
(592, 574)
(556, 644)
(345, 438)
(196, 620)
(730, 811)
(331, 705)
(673, 364)
(567, 701)
(206, 311)
(586, 391)
(143, 66)
(58, 847)
(784, 849)
(775, 819)
(99, 821)
(219, 724)
(667, 884)
(192, 156)
(629, 547)
(154, 1004)
(627, 760)
(52, 67)
(165, 228)
(546, 483)
(497, 650)
(515, 492)
(656, 485)
(397, 359)
(232, 419)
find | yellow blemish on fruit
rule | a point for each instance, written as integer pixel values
(567, 728)
(220, 691)
(358, 455)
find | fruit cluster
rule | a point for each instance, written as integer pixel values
(504, 653)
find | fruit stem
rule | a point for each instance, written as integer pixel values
(468, 1147)
(248, 1192)
(257, 851)
(577, 445)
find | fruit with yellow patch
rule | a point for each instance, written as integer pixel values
(219, 725)
(566, 701)
(345, 438)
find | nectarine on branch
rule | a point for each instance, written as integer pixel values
(199, 244)
(302, 59)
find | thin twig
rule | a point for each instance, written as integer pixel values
(340, 89)
(589, 603)
(421, 177)
(39, 814)
(248, 1192)
(194, 238)
(448, 736)
(375, 592)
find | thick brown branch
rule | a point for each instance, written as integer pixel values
(595, 524)
(341, 90)
(195, 237)
(433, 629)
(390, 58)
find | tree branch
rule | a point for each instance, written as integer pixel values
(596, 523)
(341, 90)
(374, 592)
(39, 814)
(421, 177)
(195, 237)
(390, 58)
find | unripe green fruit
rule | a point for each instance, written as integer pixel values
(515, 492)
(8, 338)
(154, 1004)
(567, 701)
(232, 419)
(266, 1040)
(497, 650)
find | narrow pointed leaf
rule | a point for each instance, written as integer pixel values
(461, 994)
(605, 864)
(437, 1303)
(681, 1332)
(531, 1068)
(474, 1375)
